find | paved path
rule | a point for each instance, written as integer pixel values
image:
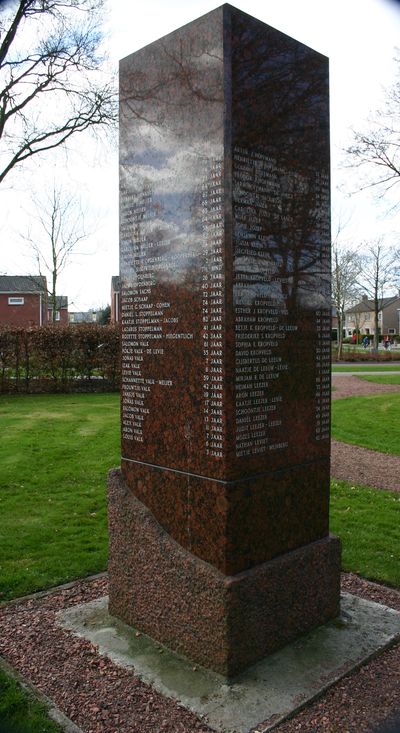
(365, 467)
(358, 373)
(349, 385)
(354, 463)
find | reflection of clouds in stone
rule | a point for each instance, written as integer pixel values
(172, 213)
(260, 270)
(175, 247)
(159, 230)
(172, 117)
(127, 180)
(263, 277)
(127, 268)
(172, 167)
(312, 299)
(144, 139)
(152, 143)
(265, 266)
(308, 296)
(246, 294)
(315, 292)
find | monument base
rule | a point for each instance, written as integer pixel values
(224, 623)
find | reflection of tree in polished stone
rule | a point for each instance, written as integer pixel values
(224, 266)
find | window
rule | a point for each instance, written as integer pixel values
(58, 316)
(391, 331)
(15, 301)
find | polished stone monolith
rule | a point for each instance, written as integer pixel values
(219, 535)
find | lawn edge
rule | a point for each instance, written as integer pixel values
(53, 589)
(52, 711)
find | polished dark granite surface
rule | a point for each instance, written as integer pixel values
(225, 250)
(226, 320)
(225, 278)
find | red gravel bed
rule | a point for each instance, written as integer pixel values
(363, 701)
(365, 467)
(101, 697)
(355, 387)
(92, 691)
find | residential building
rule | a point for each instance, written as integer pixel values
(360, 317)
(61, 310)
(115, 300)
(23, 300)
(334, 321)
(89, 316)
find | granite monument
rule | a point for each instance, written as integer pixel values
(219, 536)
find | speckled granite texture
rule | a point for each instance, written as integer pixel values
(235, 525)
(226, 328)
(225, 623)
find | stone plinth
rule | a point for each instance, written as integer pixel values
(220, 621)
(225, 262)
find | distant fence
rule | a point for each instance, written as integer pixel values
(56, 358)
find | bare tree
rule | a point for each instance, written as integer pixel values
(52, 84)
(346, 265)
(376, 151)
(60, 230)
(380, 270)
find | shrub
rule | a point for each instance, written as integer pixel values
(56, 358)
(361, 355)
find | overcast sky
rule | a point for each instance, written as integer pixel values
(358, 36)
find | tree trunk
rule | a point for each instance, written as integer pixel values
(339, 337)
(376, 326)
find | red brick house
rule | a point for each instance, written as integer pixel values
(115, 300)
(23, 300)
(61, 310)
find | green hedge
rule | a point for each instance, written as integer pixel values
(56, 358)
(366, 355)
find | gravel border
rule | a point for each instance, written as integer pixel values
(100, 697)
(52, 711)
(352, 386)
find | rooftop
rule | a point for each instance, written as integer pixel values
(23, 283)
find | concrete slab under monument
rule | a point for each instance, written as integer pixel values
(266, 693)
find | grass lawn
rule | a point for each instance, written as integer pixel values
(372, 422)
(20, 712)
(56, 451)
(391, 367)
(367, 521)
(382, 379)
